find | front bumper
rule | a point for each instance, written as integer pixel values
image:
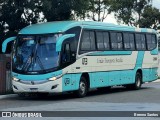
(49, 86)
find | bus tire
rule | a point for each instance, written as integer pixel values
(83, 88)
(138, 82)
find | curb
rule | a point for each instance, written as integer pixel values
(158, 80)
(7, 96)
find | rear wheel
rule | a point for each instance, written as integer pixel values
(138, 82)
(83, 88)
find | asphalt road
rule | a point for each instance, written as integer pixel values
(117, 99)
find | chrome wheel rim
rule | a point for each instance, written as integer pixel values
(82, 87)
(138, 82)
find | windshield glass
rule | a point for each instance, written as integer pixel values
(36, 53)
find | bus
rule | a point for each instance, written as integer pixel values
(76, 56)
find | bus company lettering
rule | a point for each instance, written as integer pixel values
(105, 60)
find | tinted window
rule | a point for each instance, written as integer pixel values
(132, 41)
(116, 41)
(126, 41)
(143, 42)
(74, 42)
(151, 41)
(87, 41)
(92, 39)
(106, 40)
(100, 42)
(140, 42)
(66, 53)
(119, 40)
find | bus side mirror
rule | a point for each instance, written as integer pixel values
(5, 42)
(61, 39)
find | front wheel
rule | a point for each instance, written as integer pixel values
(83, 88)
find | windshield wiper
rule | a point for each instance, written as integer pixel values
(40, 63)
(32, 60)
(27, 63)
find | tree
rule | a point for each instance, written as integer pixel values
(98, 10)
(18, 14)
(15, 15)
(80, 9)
(129, 12)
(150, 18)
(139, 6)
(123, 10)
(56, 10)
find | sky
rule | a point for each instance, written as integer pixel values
(156, 3)
(111, 18)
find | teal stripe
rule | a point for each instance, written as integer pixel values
(154, 52)
(139, 60)
(110, 53)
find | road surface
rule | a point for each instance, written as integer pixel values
(117, 99)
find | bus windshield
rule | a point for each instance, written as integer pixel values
(35, 53)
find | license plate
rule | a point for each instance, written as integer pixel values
(34, 89)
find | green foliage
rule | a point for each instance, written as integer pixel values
(16, 14)
(56, 10)
(135, 12)
(123, 10)
(98, 10)
(150, 17)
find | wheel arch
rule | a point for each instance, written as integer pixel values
(87, 77)
(141, 72)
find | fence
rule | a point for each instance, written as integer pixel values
(5, 74)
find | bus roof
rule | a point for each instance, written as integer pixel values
(62, 26)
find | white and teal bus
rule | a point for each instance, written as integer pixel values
(67, 56)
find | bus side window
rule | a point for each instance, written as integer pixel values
(126, 39)
(100, 40)
(143, 42)
(106, 40)
(116, 41)
(129, 41)
(151, 41)
(132, 41)
(114, 44)
(87, 42)
(119, 41)
(138, 42)
(66, 53)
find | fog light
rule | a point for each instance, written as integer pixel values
(15, 87)
(53, 87)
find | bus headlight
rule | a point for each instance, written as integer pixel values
(53, 78)
(15, 79)
(57, 77)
